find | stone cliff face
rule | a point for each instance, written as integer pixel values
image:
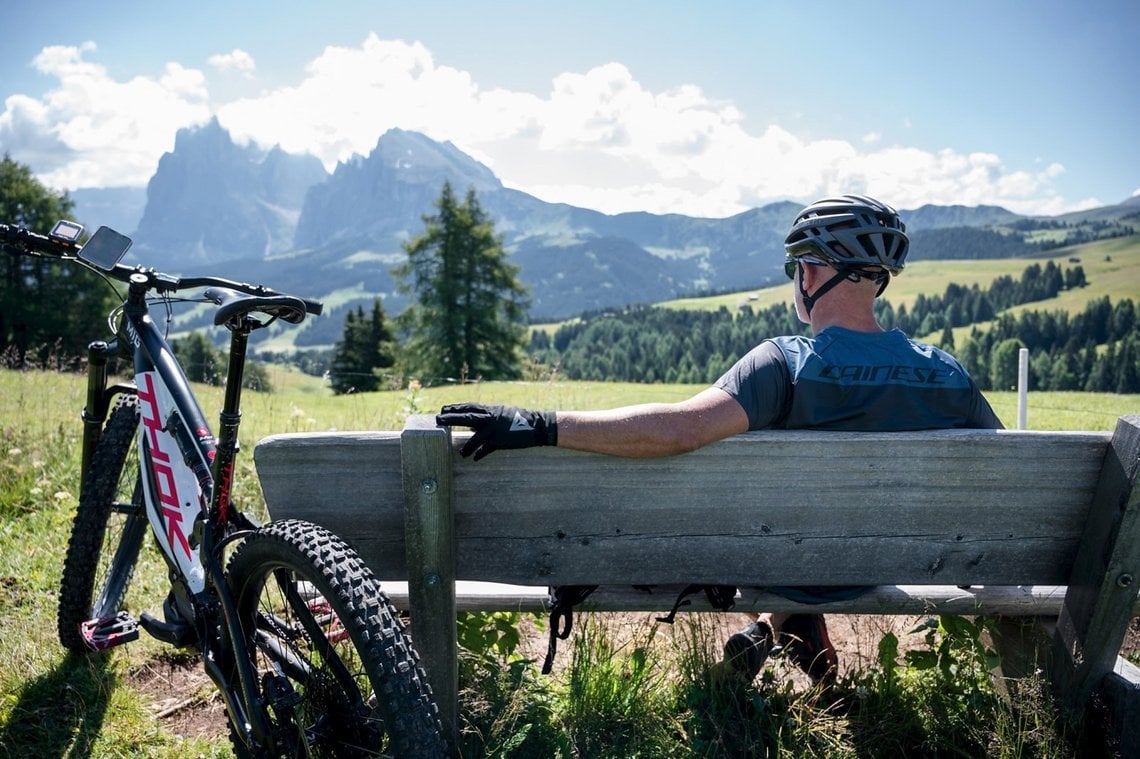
(212, 201)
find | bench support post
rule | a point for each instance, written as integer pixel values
(425, 459)
(1106, 577)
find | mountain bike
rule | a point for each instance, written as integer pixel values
(305, 648)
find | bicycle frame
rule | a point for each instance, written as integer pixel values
(186, 475)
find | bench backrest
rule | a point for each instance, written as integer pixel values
(949, 507)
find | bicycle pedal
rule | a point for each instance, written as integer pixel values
(108, 632)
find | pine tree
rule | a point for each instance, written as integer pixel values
(1128, 375)
(1003, 364)
(48, 309)
(468, 316)
(363, 352)
(206, 363)
(1102, 378)
(201, 361)
(946, 341)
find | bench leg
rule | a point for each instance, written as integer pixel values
(425, 455)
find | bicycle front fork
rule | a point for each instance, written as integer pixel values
(99, 396)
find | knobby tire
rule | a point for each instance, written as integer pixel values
(336, 667)
(107, 532)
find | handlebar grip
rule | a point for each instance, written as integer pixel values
(314, 307)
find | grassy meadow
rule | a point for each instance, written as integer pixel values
(148, 700)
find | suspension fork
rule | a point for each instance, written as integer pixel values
(99, 354)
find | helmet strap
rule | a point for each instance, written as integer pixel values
(841, 274)
(810, 300)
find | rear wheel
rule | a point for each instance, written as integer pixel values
(337, 671)
(108, 531)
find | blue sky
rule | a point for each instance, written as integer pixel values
(703, 109)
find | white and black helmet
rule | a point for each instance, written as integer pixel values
(850, 232)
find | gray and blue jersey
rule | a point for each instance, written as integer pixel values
(856, 381)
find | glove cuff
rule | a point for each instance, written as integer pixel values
(550, 431)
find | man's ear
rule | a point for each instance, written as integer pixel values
(810, 274)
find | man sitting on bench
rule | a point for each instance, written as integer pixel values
(851, 375)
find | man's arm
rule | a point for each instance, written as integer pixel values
(651, 429)
(654, 429)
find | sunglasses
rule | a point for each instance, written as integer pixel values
(791, 264)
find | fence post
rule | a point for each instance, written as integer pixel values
(1022, 387)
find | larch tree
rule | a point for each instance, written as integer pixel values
(467, 319)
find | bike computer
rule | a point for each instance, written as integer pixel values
(105, 248)
(66, 231)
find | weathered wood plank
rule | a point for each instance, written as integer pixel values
(347, 482)
(1025, 600)
(1018, 601)
(1106, 574)
(961, 507)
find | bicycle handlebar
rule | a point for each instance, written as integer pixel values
(35, 244)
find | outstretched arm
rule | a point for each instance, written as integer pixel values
(651, 429)
(654, 429)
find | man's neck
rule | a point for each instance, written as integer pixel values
(852, 317)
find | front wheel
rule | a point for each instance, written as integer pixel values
(336, 669)
(108, 531)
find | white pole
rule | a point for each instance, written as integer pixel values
(1022, 387)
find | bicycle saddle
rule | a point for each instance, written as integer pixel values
(233, 304)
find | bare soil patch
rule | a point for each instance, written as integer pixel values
(182, 698)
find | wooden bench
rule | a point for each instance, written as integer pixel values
(1034, 523)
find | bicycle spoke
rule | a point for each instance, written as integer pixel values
(317, 634)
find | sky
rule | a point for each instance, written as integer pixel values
(704, 109)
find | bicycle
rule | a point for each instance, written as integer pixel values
(294, 630)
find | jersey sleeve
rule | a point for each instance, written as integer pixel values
(760, 383)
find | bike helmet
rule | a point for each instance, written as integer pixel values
(850, 232)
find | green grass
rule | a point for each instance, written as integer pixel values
(55, 705)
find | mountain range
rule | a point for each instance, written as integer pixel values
(217, 207)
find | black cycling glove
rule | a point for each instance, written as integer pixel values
(499, 427)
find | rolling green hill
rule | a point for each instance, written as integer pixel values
(1111, 266)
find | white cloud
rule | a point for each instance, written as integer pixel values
(598, 138)
(93, 131)
(236, 60)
